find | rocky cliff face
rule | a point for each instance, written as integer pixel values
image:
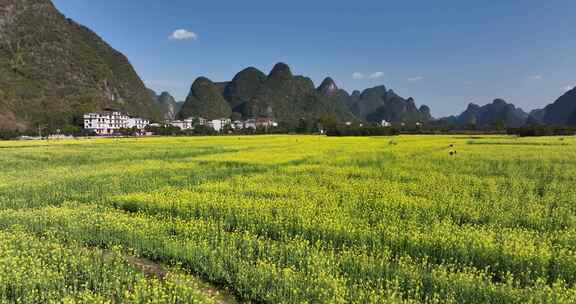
(167, 105)
(328, 87)
(52, 70)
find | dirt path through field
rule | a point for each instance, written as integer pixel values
(151, 268)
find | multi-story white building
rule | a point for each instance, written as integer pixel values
(262, 122)
(110, 122)
(219, 124)
(176, 123)
(188, 123)
(191, 122)
(138, 123)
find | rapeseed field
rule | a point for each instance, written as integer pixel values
(289, 219)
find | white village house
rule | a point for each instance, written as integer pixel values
(220, 125)
(138, 123)
(110, 122)
(189, 123)
(255, 123)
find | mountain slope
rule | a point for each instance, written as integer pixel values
(329, 89)
(205, 100)
(562, 111)
(243, 88)
(536, 116)
(52, 69)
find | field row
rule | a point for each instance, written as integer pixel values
(290, 270)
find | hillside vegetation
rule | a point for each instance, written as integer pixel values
(52, 70)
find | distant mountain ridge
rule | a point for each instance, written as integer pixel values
(288, 97)
(379, 103)
(53, 70)
(497, 112)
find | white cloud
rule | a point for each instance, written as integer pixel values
(535, 77)
(182, 34)
(166, 83)
(358, 75)
(376, 75)
(416, 78)
(567, 88)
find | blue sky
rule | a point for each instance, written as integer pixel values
(444, 53)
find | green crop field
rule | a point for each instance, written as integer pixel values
(289, 219)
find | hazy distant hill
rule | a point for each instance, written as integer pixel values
(288, 97)
(497, 112)
(168, 106)
(53, 69)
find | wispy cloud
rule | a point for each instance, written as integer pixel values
(416, 78)
(536, 77)
(376, 75)
(166, 83)
(183, 34)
